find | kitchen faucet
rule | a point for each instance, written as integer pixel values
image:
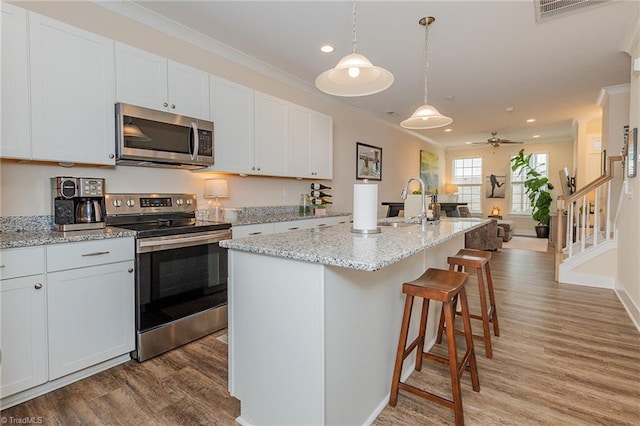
(423, 213)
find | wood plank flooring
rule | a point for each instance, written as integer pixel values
(567, 355)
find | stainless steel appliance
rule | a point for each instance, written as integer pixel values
(146, 137)
(181, 273)
(78, 203)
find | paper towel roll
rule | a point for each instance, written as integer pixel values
(365, 206)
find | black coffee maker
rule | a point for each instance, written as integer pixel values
(78, 203)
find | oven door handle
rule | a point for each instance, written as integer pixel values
(157, 244)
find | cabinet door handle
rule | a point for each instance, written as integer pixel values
(38, 286)
(111, 156)
(96, 253)
(293, 229)
(164, 104)
(3, 266)
(173, 106)
(255, 233)
(130, 270)
(320, 225)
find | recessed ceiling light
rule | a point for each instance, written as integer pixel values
(468, 143)
(450, 97)
(448, 130)
(531, 120)
(536, 136)
(509, 109)
(327, 48)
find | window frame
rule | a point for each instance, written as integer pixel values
(476, 184)
(524, 199)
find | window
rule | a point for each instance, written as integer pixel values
(520, 203)
(467, 174)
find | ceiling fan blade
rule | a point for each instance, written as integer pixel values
(507, 141)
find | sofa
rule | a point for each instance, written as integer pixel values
(486, 237)
(508, 226)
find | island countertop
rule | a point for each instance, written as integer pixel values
(338, 246)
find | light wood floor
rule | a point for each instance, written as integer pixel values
(567, 355)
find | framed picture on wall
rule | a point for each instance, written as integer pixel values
(368, 162)
(631, 162)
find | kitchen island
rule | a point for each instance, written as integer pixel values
(314, 318)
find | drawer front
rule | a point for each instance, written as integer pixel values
(250, 230)
(21, 262)
(89, 253)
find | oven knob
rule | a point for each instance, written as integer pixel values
(179, 202)
(189, 201)
(131, 202)
(116, 203)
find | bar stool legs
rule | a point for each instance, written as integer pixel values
(479, 261)
(443, 286)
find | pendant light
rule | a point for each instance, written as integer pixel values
(354, 75)
(426, 116)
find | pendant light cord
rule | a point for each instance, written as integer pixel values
(355, 42)
(426, 60)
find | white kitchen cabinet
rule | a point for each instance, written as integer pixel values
(23, 332)
(321, 146)
(90, 308)
(72, 93)
(240, 231)
(15, 139)
(270, 135)
(232, 116)
(251, 230)
(309, 143)
(299, 141)
(152, 81)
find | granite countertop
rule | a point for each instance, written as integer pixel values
(254, 219)
(36, 237)
(338, 246)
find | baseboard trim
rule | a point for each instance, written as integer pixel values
(629, 306)
(47, 387)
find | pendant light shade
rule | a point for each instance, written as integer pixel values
(354, 75)
(426, 116)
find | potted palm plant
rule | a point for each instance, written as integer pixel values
(537, 188)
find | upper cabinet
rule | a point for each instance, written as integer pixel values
(152, 81)
(270, 135)
(72, 93)
(232, 116)
(258, 134)
(15, 140)
(309, 144)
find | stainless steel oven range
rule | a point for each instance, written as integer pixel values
(181, 270)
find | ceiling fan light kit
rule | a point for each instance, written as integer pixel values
(354, 75)
(426, 116)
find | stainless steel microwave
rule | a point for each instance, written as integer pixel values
(146, 137)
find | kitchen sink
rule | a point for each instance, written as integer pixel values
(395, 224)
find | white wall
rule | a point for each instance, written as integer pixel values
(497, 161)
(628, 283)
(25, 186)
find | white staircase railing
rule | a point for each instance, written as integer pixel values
(589, 219)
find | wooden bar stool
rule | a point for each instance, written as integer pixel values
(478, 260)
(442, 286)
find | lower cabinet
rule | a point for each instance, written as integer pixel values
(74, 310)
(91, 316)
(23, 335)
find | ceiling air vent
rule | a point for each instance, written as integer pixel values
(548, 9)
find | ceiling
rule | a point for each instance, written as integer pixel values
(484, 56)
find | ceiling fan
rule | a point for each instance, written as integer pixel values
(495, 141)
